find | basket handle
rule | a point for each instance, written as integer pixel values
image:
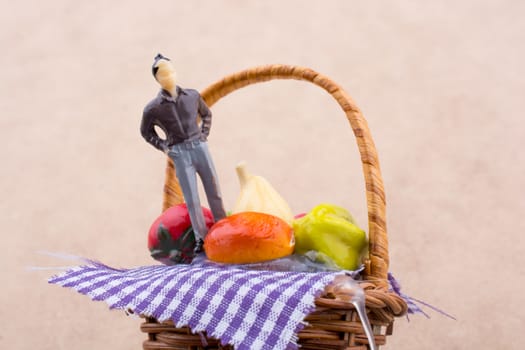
(376, 268)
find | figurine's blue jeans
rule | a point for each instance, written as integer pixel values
(192, 158)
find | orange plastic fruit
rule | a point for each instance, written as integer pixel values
(249, 237)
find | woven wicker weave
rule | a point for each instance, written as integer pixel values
(334, 324)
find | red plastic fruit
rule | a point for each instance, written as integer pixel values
(171, 238)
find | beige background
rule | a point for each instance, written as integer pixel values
(440, 82)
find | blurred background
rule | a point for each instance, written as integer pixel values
(441, 84)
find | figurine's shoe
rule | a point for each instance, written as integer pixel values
(198, 246)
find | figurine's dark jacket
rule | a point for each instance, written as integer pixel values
(177, 117)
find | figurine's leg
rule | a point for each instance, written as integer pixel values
(210, 182)
(187, 177)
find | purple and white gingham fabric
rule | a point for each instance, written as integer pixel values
(248, 309)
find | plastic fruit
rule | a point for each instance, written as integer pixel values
(258, 195)
(249, 237)
(171, 239)
(331, 231)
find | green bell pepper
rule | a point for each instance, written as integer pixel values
(331, 231)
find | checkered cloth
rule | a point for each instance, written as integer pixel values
(248, 309)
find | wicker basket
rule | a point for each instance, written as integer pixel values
(334, 324)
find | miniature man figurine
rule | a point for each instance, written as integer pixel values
(175, 111)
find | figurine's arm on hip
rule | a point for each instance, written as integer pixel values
(147, 130)
(205, 114)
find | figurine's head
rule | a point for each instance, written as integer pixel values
(164, 73)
